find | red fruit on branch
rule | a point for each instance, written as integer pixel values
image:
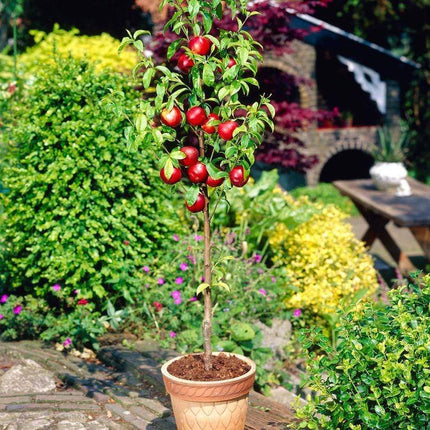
(207, 127)
(211, 182)
(175, 177)
(237, 176)
(231, 63)
(226, 129)
(172, 118)
(191, 156)
(200, 45)
(196, 116)
(198, 173)
(185, 63)
(198, 206)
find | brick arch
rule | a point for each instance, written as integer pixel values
(284, 66)
(335, 143)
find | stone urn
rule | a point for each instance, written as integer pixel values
(388, 176)
(214, 405)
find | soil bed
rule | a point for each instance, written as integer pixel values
(191, 368)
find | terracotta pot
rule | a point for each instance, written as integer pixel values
(210, 405)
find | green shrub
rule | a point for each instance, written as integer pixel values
(327, 194)
(378, 376)
(82, 209)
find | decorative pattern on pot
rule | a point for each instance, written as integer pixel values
(228, 415)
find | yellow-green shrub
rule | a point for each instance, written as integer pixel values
(101, 50)
(323, 259)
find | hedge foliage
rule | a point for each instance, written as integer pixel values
(82, 209)
(377, 377)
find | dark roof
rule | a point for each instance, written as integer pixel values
(326, 36)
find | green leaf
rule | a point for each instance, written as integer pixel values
(242, 53)
(207, 21)
(223, 92)
(177, 155)
(223, 285)
(173, 47)
(141, 123)
(201, 288)
(168, 168)
(147, 77)
(192, 194)
(241, 331)
(208, 75)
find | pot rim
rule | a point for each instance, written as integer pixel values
(246, 375)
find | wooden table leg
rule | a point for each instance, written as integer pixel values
(422, 235)
(377, 230)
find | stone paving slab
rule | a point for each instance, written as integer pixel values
(104, 398)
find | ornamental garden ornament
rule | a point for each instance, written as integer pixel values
(204, 138)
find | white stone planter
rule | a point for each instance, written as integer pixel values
(389, 177)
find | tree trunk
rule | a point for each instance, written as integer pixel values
(207, 320)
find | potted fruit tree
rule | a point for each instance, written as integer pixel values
(204, 139)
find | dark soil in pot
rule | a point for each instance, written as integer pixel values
(191, 368)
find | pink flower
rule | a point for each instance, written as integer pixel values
(273, 279)
(193, 299)
(172, 334)
(202, 279)
(175, 294)
(176, 237)
(179, 280)
(76, 292)
(56, 287)
(67, 342)
(192, 259)
(297, 313)
(260, 271)
(17, 309)
(262, 291)
(1, 316)
(160, 281)
(198, 238)
(82, 302)
(145, 269)
(257, 258)
(183, 266)
(176, 297)
(3, 298)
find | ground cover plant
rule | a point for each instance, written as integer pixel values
(377, 376)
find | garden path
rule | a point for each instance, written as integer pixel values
(121, 389)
